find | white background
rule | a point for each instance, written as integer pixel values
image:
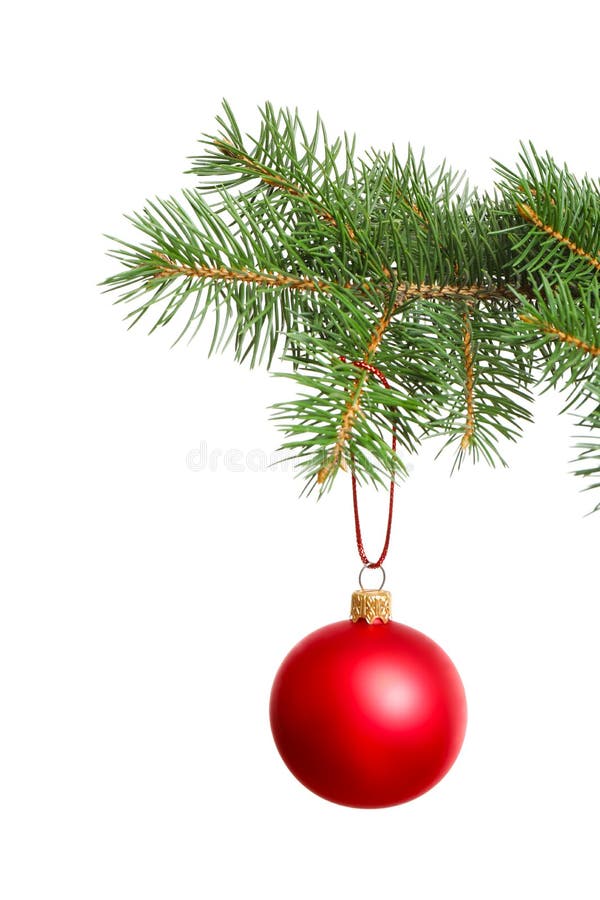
(146, 604)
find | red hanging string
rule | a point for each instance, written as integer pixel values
(360, 364)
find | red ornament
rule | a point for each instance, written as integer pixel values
(368, 715)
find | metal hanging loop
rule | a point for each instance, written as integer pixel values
(362, 587)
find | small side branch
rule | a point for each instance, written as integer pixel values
(469, 378)
(530, 215)
(268, 279)
(555, 332)
(274, 179)
(337, 456)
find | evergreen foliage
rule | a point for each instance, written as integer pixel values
(292, 247)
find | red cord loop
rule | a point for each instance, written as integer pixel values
(360, 364)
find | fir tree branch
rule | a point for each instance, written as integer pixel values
(463, 299)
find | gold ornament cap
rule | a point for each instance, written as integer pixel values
(371, 605)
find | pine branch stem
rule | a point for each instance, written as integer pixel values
(269, 279)
(171, 269)
(455, 292)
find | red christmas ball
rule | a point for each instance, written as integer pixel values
(368, 715)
